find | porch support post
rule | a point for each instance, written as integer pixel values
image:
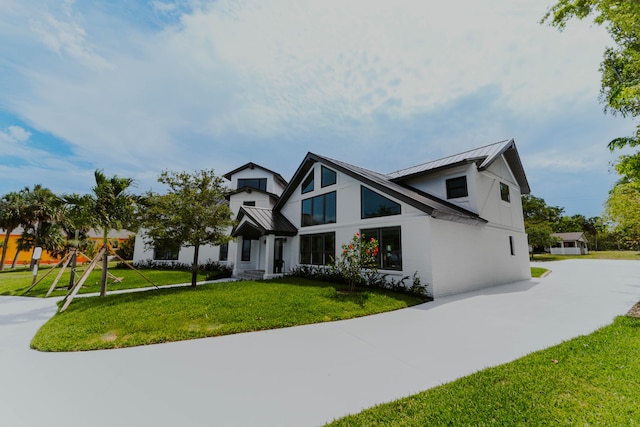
(238, 254)
(268, 255)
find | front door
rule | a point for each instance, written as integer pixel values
(278, 261)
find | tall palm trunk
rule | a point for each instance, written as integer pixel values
(5, 245)
(194, 266)
(15, 259)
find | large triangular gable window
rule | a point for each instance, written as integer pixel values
(307, 184)
(375, 205)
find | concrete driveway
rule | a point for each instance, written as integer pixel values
(302, 376)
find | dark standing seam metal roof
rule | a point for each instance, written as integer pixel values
(266, 221)
(429, 204)
(483, 157)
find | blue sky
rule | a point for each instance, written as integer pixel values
(137, 87)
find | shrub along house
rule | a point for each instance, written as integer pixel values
(456, 222)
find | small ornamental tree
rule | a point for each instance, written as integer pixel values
(359, 254)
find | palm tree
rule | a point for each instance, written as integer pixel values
(42, 209)
(113, 208)
(11, 206)
(76, 223)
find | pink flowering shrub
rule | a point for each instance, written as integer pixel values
(357, 255)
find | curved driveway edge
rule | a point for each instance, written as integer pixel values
(308, 375)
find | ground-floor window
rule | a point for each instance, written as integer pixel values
(165, 252)
(224, 252)
(511, 246)
(389, 244)
(246, 250)
(317, 249)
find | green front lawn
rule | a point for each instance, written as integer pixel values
(592, 380)
(623, 255)
(538, 271)
(17, 282)
(176, 314)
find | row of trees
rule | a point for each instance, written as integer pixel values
(193, 212)
(620, 93)
(603, 232)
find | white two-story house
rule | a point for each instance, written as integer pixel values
(456, 222)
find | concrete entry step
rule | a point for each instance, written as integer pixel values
(252, 275)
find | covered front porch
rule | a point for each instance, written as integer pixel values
(265, 241)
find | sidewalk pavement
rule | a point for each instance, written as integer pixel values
(307, 375)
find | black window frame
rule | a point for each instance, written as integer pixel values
(504, 193)
(249, 203)
(166, 252)
(315, 210)
(245, 255)
(224, 252)
(317, 249)
(384, 258)
(368, 213)
(457, 187)
(327, 177)
(511, 246)
(255, 183)
(308, 184)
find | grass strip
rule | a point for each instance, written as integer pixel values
(591, 380)
(176, 314)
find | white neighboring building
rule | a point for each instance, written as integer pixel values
(570, 244)
(456, 222)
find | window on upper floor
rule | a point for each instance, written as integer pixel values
(257, 183)
(319, 210)
(327, 177)
(317, 249)
(457, 187)
(308, 184)
(504, 192)
(249, 203)
(389, 244)
(373, 205)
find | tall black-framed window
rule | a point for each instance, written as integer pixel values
(317, 249)
(319, 210)
(389, 244)
(327, 177)
(257, 183)
(246, 250)
(457, 187)
(373, 205)
(511, 246)
(504, 192)
(224, 252)
(308, 183)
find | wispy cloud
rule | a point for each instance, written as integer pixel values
(14, 134)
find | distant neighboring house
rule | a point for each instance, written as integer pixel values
(24, 257)
(456, 222)
(570, 244)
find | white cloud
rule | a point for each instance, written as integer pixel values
(14, 134)
(67, 36)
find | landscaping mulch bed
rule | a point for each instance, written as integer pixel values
(635, 311)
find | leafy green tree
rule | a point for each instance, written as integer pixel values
(194, 212)
(540, 220)
(620, 67)
(539, 236)
(11, 206)
(623, 209)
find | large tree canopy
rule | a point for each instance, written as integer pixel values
(620, 67)
(194, 212)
